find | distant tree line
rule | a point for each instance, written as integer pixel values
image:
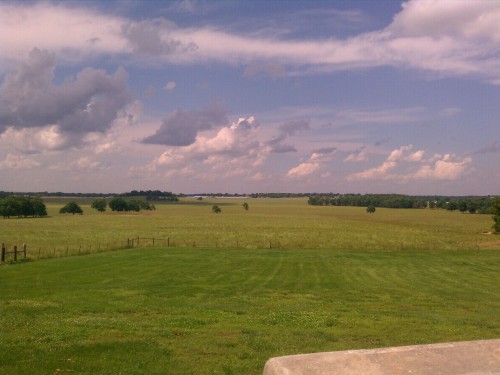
(22, 206)
(463, 204)
(279, 195)
(55, 194)
(148, 194)
(152, 195)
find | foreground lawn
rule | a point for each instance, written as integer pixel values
(222, 311)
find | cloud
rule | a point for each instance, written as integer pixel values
(447, 37)
(83, 163)
(181, 127)
(438, 167)
(88, 103)
(153, 37)
(233, 151)
(233, 141)
(448, 168)
(287, 129)
(358, 155)
(493, 147)
(315, 162)
(379, 172)
(416, 156)
(170, 86)
(397, 154)
(34, 140)
(73, 32)
(18, 162)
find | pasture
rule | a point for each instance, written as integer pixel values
(275, 223)
(236, 288)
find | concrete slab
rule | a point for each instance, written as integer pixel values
(467, 357)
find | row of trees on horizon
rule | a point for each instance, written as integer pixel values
(480, 205)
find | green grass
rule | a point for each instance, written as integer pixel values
(223, 311)
(276, 223)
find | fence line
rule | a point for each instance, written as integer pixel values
(33, 252)
(14, 251)
(57, 251)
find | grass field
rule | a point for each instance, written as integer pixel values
(276, 223)
(220, 311)
(237, 288)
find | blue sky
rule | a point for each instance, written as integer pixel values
(251, 96)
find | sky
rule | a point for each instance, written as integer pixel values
(250, 96)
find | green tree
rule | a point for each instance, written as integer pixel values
(245, 206)
(100, 205)
(118, 204)
(216, 209)
(452, 206)
(495, 210)
(10, 206)
(134, 205)
(370, 209)
(71, 208)
(462, 205)
(145, 205)
(22, 206)
(39, 207)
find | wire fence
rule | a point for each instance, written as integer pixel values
(33, 252)
(44, 252)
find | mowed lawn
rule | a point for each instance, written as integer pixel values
(226, 311)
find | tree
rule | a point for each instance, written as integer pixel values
(472, 207)
(118, 204)
(134, 205)
(71, 208)
(216, 209)
(100, 205)
(462, 205)
(452, 206)
(245, 206)
(22, 206)
(495, 210)
(39, 207)
(370, 209)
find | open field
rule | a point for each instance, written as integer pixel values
(222, 311)
(275, 223)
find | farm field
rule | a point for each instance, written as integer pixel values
(275, 223)
(226, 311)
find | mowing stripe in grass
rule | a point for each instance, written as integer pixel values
(204, 311)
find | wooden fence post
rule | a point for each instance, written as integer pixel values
(3, 252)
(15, 253)
(24, 250)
